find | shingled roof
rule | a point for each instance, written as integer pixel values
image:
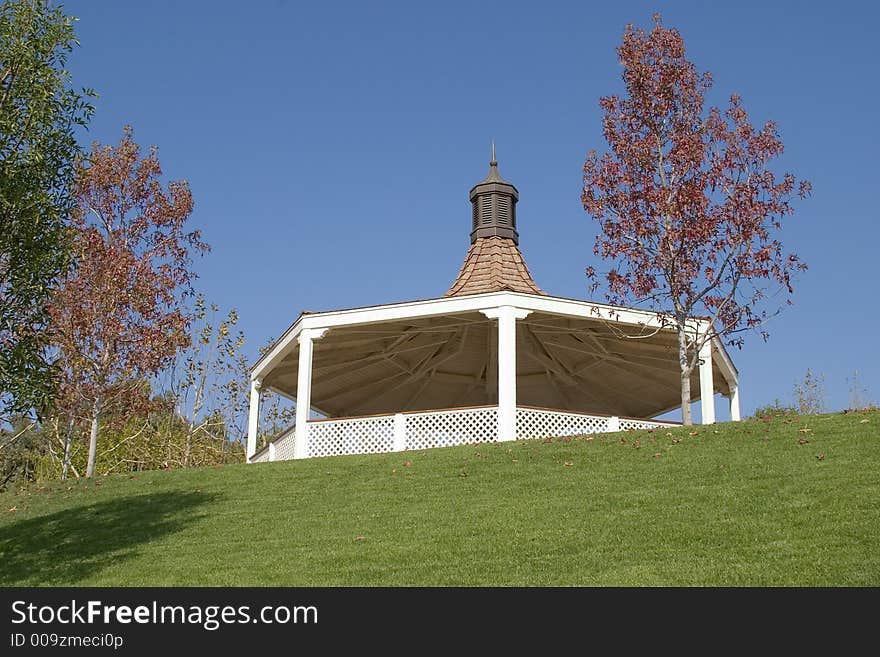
(493, 264)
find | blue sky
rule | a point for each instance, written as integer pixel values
(330, 146)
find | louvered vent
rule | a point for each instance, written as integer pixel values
(503, 210)
(486, 211)
(476, 217)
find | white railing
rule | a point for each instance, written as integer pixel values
(363, 435)
(442, 428)
(452, 427)
(541, 423)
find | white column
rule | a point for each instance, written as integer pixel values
(506, 316)
(734, 402)
(253, 418)
(613, 424)
(304, 391)
(707, 386)
(399, 432)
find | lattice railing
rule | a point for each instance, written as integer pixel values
(427, 429)
(626, 424)
(540, 423)
(365, 435)
(284, 446)
(452, 427)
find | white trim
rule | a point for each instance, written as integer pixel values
(734, 403)
(306, 340)
(725, 363)
(399, 432)
(707, 386)
(506, 316)
(253, 418)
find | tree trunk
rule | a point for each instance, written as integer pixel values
(93, 438)
(686, 418)
(65, 462)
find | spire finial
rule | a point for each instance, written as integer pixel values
(493, 162)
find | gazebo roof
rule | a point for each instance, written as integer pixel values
(493, 264)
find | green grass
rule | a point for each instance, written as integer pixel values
(733, 504)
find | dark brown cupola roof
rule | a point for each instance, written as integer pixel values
(494, 262)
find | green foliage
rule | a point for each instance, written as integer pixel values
(158, 439)
(744, 503)
(38, 115)
(20, 452)
(776, 409)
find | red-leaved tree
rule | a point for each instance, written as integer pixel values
(687, 204)
(120, 315)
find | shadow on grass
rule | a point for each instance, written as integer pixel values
(66, 547)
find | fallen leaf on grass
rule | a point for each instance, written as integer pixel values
(462, 474)
(623, 441)
(12, 509)
(865, 421)
(693, 433)
(821, 457)
(360, 538)
(568, 464)
(657, 455)
(99, 483)
(406, 464)
(802, 441)
(589, 438)
(766, 418)
(805, 430)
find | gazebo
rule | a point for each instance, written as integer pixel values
(495, 358)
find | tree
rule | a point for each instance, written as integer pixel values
(211, 395)
(687, 204)
(120, 316)
(38, 115)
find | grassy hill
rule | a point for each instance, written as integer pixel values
(733, 504)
